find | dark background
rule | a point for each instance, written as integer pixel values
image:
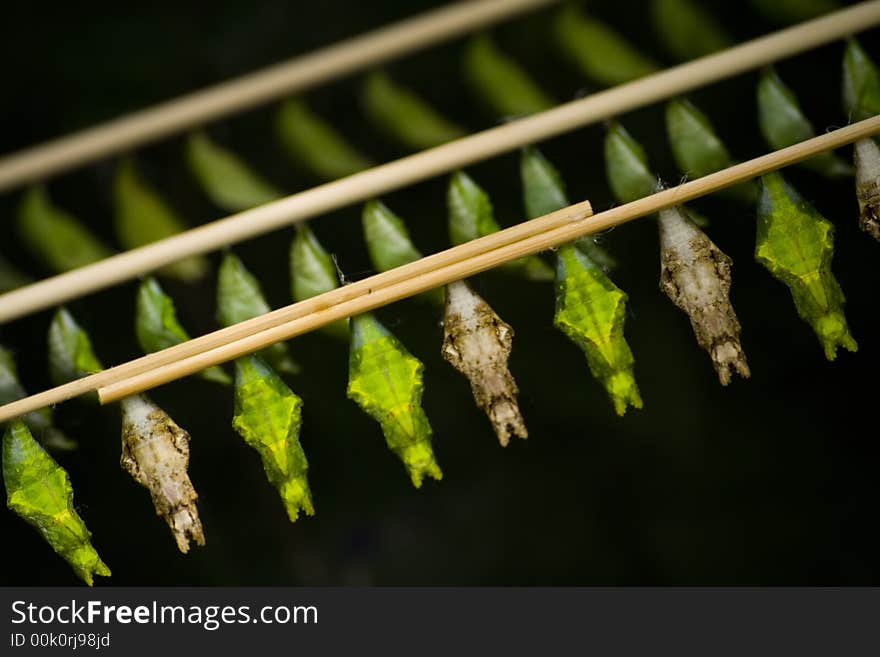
(770, 481)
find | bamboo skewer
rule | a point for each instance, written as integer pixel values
(272, 83)
(433, 271)
(442, 159)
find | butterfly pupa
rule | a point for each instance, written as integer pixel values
(404, 116)
(240, 297)
(157, 326)
(861, 100)
(155, 452)
(142, 216)
(475, 339)
(385, 380)
(268, 415)
(796, 244)
(314, 144)
(40, 421)
(590, 309)
(230, 183)
(39, 491)
(471, 216)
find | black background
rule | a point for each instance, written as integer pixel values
(767, 482)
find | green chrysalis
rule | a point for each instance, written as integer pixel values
(55, 237)
(385, 380)
(39, 422)
(590, 309)
(544, 192)
(10, 277)
(389, 243)
(471, 216)
(796, 244)
(230, 183)
(39, 491)
(268, 417)
(626, 165)
(698, 150)
(157, 327)
(783, 124)
(861, 83)
(404, 116)
(239, 298)
(142, 217)
(315, 145)
(70, 350)
(500, 82)
(687, 30)
(597, 50)
(313, 272)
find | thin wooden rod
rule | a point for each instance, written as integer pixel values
(294, 75)
(442, 159)
(579, 223)
(432, 271)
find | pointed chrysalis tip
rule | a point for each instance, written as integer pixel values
(297, 497)
(624, 392)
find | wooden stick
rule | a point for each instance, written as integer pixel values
(248, 91)
(578, 224)
(445, 158)
(439, 269)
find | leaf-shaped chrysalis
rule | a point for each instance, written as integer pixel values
(315, 145)
(544, 192)
(796, 244)
(155, 452)
(867, 159)
(626, 165)
(157, 327)
(687, 30)
(597, 50)
(39, 491)
(385, 380)
(861, 99)
(10, 277)
(861, 83)
(500, 82)
(476, 341)
(471, 216)
(404, 116)
(142, 217)
(70, 350)
(783, 124)
(590, 309)
(40, 421)
(695, 275)
(239, 298)
(389, 244)
(698, 150)
(268, 415)
(55, 237)
(230, 183)
(313, 272)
